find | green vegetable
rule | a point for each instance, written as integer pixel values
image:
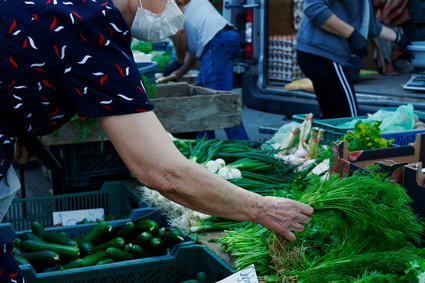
(136, 250)
(94, 258)
(366, 135)
(74, 264)
(173, 237)
(62, 250)
(162, 58)
(59, 238)
(142, 46)
(118, 254)
(105, 261)
(148, 226)
(44, 257)
(38, 229)
(157, 246)
(85, 246)
(202, 277)
(144, 238)
(126, 231)
(116, 242)
(31, 236)
(95, 233)
(17, 242)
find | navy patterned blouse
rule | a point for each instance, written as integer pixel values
(61, 57)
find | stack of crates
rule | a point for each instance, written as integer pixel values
(86, 165)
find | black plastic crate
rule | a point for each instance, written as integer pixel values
(87, 164)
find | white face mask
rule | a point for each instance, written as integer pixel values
(148, 26)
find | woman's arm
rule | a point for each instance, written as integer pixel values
(388, 34)
(336, 26)
(151, 156)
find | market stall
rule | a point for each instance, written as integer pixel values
(366, 226)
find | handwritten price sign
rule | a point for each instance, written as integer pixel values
(246, 275)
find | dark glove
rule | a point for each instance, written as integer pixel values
(402, 43)
(171, 67)
(358, 44)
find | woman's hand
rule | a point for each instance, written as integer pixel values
(285, 216)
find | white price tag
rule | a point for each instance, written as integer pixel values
(71, 217)
(246, 275)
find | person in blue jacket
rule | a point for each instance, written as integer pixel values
(208, 37)
(331, 32)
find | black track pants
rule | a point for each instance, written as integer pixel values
(332, 85)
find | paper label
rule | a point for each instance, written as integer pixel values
(71, 217)
(246, 275)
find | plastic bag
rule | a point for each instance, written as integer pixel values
(401, 119)
(279, 135)
(9, 186)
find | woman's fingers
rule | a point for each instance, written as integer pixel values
(285, 216)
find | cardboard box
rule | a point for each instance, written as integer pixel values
(181, 108)
(391, 159)
(413, 181)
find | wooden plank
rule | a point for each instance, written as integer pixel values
(180, 107)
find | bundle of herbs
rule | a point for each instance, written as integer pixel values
(362, 227)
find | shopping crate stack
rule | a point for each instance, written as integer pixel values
(282, 61)
(86, 164)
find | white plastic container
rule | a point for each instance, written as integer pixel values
(418, 50)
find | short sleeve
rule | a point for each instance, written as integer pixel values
(97, 67)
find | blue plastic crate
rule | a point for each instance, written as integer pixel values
(116, 198)
(334, 132)
(182, 263)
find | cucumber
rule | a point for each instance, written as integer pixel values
(20, 259)
(94, 233)
(116, 242)
(173, 237)
(74, 264)
(85, 246)
(94, 258)
(43, 257)
(202, 277)
(17, 242)
(62, 250)
(31, 236)
(157, 246)
(105, 261)
(147, 225)
(126, 231)
(108, 234)
(144, 238)
(59, 238)
(138, 251)
(161, 232)
(38, 229)
(118, 254)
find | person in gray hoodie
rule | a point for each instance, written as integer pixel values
(331, 33)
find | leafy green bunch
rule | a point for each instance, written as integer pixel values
(366, 135)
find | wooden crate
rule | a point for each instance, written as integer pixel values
(181, 107)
